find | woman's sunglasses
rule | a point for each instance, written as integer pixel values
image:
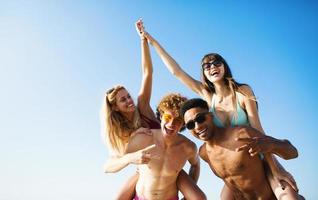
(208, 66)
(199, 118)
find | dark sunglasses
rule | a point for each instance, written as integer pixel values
(207, 66)
(199, 118)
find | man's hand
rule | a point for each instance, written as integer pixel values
(256, 145)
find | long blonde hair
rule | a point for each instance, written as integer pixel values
(117, 128)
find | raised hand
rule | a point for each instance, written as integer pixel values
(256, 145)
(140, 28)
(150, 39)
(143, 156)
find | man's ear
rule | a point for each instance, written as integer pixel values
(158, 115)
(182, 128)
(211, 115)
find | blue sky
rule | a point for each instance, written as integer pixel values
(57, 58)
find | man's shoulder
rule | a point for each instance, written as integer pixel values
(187, 144)
(202, 148)
(202, 152)
(186, 141)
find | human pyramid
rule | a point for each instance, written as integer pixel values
(225, 118)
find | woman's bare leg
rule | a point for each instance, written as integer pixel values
(226, 193)
(127, 191)
(189, 188)
(288, 193)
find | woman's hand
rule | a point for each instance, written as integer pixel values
(140, 28)
(143, 156)
(256, 145)
(150, 39)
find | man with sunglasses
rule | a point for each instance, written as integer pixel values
(232, 152)
(167, 153)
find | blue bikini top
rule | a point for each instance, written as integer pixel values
(240, 118)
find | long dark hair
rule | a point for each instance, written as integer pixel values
(232, 85)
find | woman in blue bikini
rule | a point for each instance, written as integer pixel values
(232, 104)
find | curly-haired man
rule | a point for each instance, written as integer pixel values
(167, 154)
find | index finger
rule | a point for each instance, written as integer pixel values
(244, 139)
(149, 148)
(242, 147)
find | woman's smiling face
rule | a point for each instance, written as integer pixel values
(213, 70)
(124, 102)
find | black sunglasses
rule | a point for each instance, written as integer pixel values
(199, 118)
(207, 66)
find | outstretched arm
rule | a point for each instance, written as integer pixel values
(175, 69)
(116, 163)
(136, 152)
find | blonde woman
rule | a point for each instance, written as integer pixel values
(123, 119)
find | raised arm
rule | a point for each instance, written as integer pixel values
(146, 83)
(175, 69)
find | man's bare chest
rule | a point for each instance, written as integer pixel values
(225, 162)
(168, 162)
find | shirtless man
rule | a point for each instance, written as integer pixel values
(232, 152)
(166, 154)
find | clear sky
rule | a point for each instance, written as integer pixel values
(57, 58)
